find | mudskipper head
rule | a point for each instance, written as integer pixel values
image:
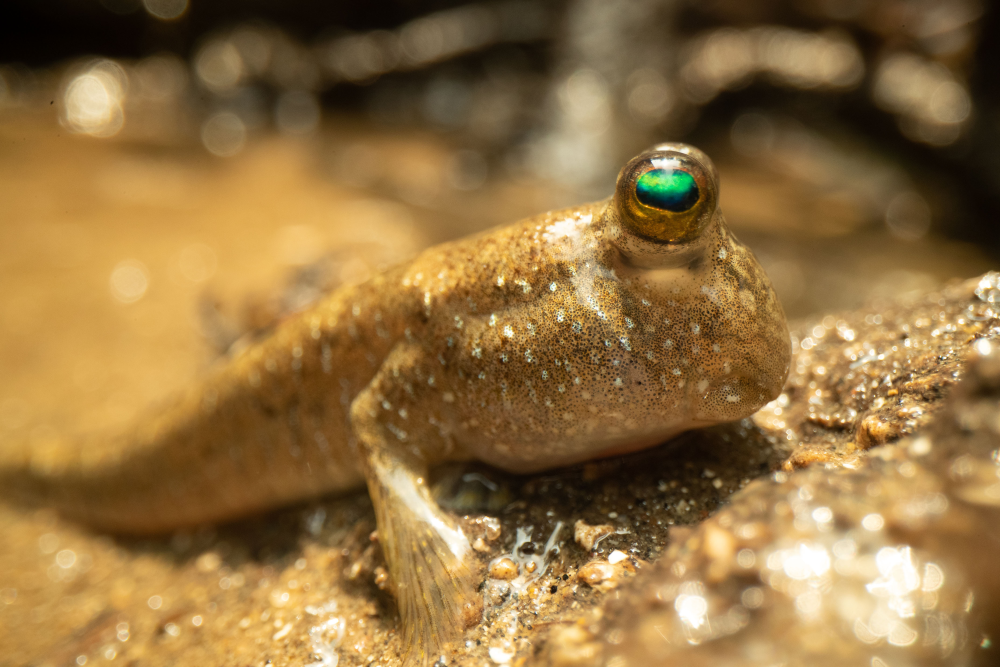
(717, 333)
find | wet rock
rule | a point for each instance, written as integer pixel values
(572, 646)
(598, 573)
(869, 377)
(587, 536)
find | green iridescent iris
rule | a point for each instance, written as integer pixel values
(668, 189)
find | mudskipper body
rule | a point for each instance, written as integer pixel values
(573, 335)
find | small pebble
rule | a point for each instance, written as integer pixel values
(587, 536)
(381, 577)
(492, 528)
(503, 568)
(596, 573)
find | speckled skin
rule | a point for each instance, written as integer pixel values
(557, 339)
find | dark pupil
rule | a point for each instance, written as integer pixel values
(669, 189)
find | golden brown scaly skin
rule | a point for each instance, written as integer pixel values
(558, 339)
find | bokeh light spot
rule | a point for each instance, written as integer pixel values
(224, 134)
(692, 609)
(92, 101)
(166, 10)
(129, 281)
(219, 66)
(66, 558)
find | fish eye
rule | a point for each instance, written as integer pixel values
(670, 189)
(667, 195)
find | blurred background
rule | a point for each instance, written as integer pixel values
(176, 171)
(831, 118)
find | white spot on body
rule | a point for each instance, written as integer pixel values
(566, 229)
